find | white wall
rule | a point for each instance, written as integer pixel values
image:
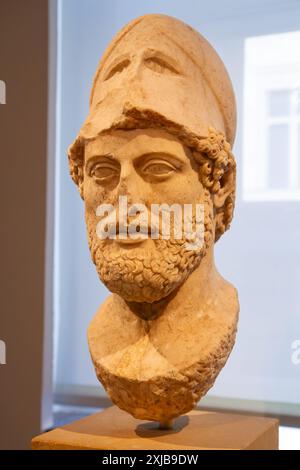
(260, 366)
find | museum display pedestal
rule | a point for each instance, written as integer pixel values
(114, 429)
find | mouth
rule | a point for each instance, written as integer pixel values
(130, 241)
(123, 238)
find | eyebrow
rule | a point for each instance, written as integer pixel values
(146, 155)
(156, 154)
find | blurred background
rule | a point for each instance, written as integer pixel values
(49, 52)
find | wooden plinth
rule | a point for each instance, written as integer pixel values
(113, 429)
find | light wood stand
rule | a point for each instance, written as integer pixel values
(114, 429)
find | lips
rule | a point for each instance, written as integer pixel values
(129, 241)
(127, 237)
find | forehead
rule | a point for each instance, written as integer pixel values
(134, 143)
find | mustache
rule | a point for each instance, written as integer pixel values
(137, 226)
(113, 226)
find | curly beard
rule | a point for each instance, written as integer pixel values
(140, 275)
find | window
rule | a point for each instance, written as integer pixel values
(272, 117)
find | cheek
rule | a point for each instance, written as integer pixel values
(93, 194)
(192, 188)
(91, 218)
(181, 189)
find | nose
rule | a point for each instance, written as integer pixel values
(131, 184)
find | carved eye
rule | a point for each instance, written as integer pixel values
(104, 172)
(117, 69)
(159, 168)
(160, 65)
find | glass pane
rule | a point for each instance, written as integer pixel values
(278, 157)
(279, 102)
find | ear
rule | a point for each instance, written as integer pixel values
(76, 162)
(223, 200)
(227, 187)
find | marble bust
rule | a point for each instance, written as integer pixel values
(160, 129)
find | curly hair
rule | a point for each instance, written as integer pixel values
(217, 166)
